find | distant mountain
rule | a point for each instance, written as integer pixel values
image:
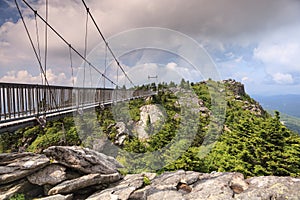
(291, 122)
(288, 104)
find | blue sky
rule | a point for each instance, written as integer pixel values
(256, 42)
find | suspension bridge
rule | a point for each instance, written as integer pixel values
(23, 105)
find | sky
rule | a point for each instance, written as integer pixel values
(255, 42)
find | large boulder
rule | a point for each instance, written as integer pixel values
(194, 186)
(123, 189)
(149, 115)
(217, 186)
(15, 166)
(83, 182)
(22, 186)
(52, 175)
(271, 187)
(83, 159)
(57, 197)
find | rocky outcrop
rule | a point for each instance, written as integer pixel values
(52, 174)
(125, 188)
(83, 159)
(271, 187)
(74, 185)
(255, 108)
(237, 88)
(194, 186)
(59, 173)
(16, 166)
(149, 115)
(61, 176)
(239, 95)
(122, 133)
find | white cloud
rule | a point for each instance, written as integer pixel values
(171, 65)
(20, 77)
(222, 24)
(23, 76)
(283, 78)
(239, 59)
(282, 53)
(245, 78)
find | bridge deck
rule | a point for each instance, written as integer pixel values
(22, 104)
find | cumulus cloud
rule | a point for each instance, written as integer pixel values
(272, 27)
(283, 78)
(245, 78)
(282, 53)
(279, 54)
(23, 76)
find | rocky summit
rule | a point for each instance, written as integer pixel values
(73, 172)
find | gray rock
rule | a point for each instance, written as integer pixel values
(180, 184)
(172, 194)
(83, 182)
(57, 197)
(169, 180)
(83, 159)
(52, 174)
(156, 116)
(122, 133)
(20, 187)
(153, 112)
(17, 166)
(271, 187)
(123, 189)
(214, 186)
(6, 158)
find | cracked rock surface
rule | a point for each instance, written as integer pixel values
(68, 173)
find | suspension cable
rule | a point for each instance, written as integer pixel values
(105, 64)
(46, 41)
(103, 38)
(35, 52)
(37, 36)
(85, 46)
(71, 63)
(38, 41)
(105, 67)
(46, 53)
(67, 43)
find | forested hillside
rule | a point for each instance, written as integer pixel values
(167, 131)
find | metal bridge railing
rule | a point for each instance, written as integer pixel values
(19, 101)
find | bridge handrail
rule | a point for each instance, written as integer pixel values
(19, 100)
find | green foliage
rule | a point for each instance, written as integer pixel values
(201, 89)
(56, 133)
(257, 146)
(18, 197)
(250, 143)
(146, 181)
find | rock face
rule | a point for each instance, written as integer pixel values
(190, 185)
(16, 166)
(72, 176)
(52, 174)
(83, 159)
(237, 87)
(122, 133)
(123, 189)
(75, 171)
(149, 114)
(83, 182)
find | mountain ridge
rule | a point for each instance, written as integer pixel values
(244, 139)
